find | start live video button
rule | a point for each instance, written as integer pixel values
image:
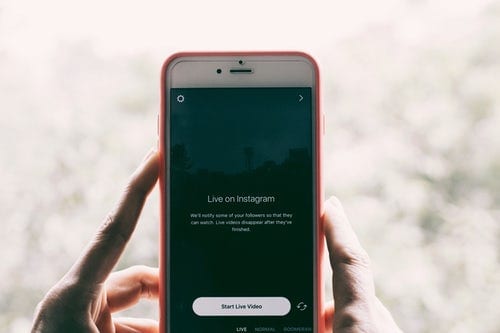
(241, 306)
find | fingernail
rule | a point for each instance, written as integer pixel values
(149, 154)
(334, 201)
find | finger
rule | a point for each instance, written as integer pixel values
(105, 249)
(135, 325)
(329, 311)
(352, 277)
(125, 288)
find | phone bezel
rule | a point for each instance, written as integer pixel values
(270, 69)
(267, 71)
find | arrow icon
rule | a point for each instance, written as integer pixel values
(301, 306)
(301, 98)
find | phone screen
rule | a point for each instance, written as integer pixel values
(240, 254)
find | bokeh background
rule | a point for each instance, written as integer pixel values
(411, 91)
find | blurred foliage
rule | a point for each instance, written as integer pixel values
(412, 149)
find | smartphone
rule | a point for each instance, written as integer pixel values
(241, 195)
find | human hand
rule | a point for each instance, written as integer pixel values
(356, 308)
(84, 299)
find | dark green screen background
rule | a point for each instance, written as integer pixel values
(240, 141)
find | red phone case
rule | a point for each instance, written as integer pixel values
(319, 128)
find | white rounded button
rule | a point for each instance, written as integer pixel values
(241, 306)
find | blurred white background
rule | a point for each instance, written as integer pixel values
(411, 89)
